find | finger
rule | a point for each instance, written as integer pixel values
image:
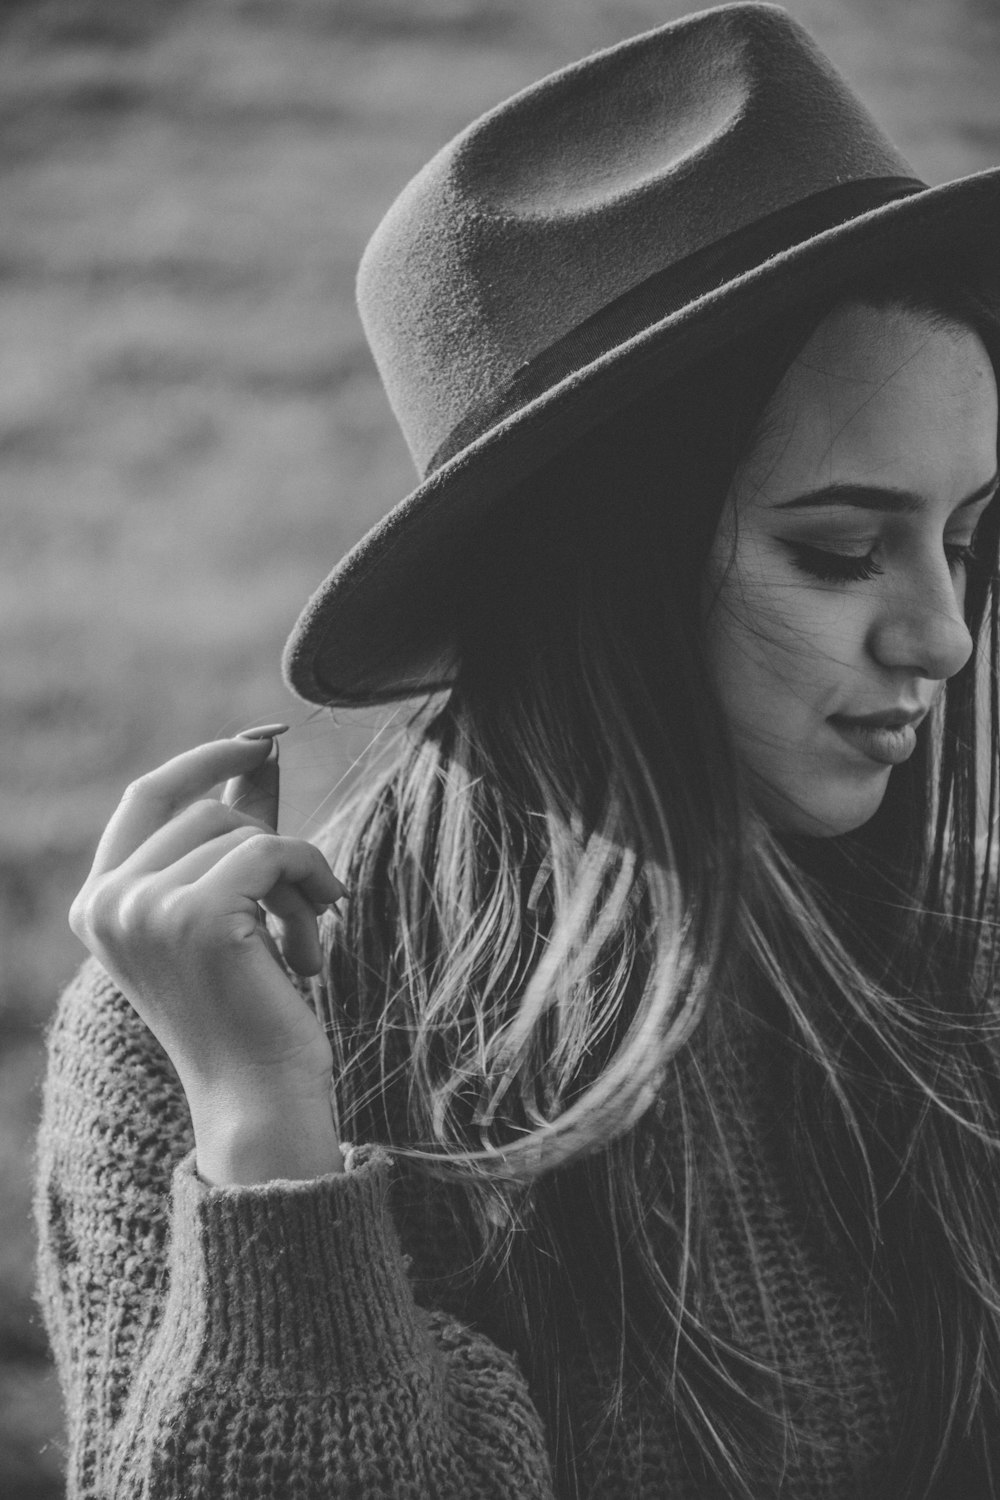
(256, 792)
(294, 915)
(198, 827)
(152, 800)
(201, 837)
(293, 902)
(256, 862)
(294, 912)
(298, 928)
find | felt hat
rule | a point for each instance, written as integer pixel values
(591, 236)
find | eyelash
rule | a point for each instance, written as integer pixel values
(843, 567)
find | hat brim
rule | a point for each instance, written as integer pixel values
(376, 630)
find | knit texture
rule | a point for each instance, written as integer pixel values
(236, 1343)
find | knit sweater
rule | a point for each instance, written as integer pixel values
(236, 1343)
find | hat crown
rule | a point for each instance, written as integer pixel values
(554, 204)
(567, 151)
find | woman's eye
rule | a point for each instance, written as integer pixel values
(834, 567)
(854, 567)
(960, 554)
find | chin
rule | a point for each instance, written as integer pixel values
(824, 815)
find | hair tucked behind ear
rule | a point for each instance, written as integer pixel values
(558, 878)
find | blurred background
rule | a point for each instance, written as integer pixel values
(192, 431)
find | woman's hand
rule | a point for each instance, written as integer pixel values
(170, 907)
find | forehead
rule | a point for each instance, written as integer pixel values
(881, 396)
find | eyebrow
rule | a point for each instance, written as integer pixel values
(877, 497)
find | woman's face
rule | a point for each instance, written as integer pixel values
(836, 579)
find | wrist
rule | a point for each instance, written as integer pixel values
(239, 1144)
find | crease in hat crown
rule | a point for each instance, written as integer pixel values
(646, 152)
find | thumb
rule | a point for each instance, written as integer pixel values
(256, 794)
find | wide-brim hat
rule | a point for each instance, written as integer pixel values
(592, 236)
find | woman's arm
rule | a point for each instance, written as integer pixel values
(245, 1341)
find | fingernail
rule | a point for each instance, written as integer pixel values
(262, 732)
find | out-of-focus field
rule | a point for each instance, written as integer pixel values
(191, 429)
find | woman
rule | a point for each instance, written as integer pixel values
(665, 969)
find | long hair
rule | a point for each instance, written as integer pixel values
(566, 922)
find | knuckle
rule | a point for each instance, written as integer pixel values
(102, 911)
(150, 791)
(174, 918)
(78, 913)
(134, 913)
(142, 786)
(260, 845)
(157, 920)
(116, 919)
(93, 913)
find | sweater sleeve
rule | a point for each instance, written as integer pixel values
(243, 1342)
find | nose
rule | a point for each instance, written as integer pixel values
(921, 627)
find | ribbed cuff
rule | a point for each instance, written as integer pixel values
(301, 1278)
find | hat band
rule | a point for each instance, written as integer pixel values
(669, 290)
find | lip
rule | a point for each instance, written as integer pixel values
(887, 738)
(890, 718)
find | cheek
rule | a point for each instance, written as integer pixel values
(758, 620)
(770, 637)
